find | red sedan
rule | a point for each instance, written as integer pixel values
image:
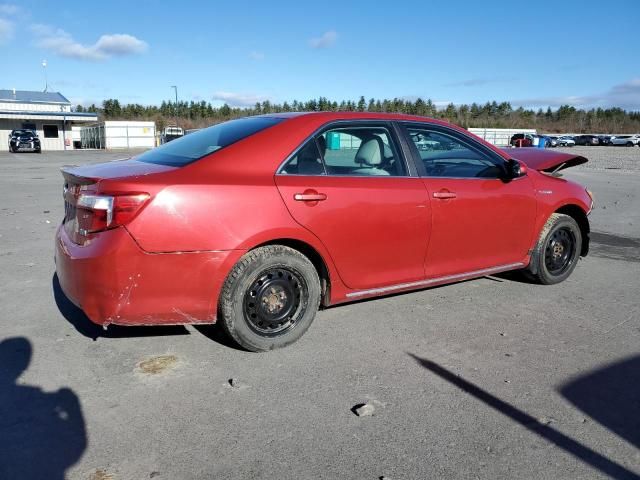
(257, 222)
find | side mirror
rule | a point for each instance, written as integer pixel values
(515, 169)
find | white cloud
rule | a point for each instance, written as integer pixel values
(6, 31)
(625, 95)
(239, 99)
(62, 43)
(256, 55)
(8, 9)
(327, 39)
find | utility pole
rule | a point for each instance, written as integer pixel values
(46, 83)
(176, 105)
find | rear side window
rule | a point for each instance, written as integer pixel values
(367, 151)
(307, 161)
(203, 142)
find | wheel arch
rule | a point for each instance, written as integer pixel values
(580, 216)
(314, 257)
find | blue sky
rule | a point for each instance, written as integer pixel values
(584, 53)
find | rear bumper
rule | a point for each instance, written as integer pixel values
(114, 281)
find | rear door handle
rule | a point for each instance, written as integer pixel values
(309, 197)
(444, 194)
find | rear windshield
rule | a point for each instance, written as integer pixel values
(203, 142)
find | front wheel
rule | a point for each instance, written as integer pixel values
(557, 251)
(269, 298)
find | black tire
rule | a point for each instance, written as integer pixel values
(629, 144)
(556, 254)
(269, 298)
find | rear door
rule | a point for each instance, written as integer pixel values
(351, 186)
(479, 219)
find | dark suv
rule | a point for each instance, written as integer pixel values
(587, 140)
(24, 140)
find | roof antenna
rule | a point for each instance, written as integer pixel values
(46, 84)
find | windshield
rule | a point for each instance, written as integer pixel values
(22, 132)
(189, 148)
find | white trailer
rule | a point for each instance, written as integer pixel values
(500, 136)
(114, 135)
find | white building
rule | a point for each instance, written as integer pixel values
(47, 113)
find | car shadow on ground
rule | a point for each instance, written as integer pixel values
(611, 396)
(76, 317)
(42, 433)
(547, 432)
(218, 335)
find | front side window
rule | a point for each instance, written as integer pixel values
(196, 145)
(445, 156)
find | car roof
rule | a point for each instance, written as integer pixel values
(328, 116)
(311, 121)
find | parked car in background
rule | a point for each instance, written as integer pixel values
(626, 140)
(553, 140)
(587, 140)
(251, 223)
(566, 141)
(521, 140)
(604, 139)
(548, 141)
(171, 133)
(23, 140)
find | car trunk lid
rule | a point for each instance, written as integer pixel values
(87, 210)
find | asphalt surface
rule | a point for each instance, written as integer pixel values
(490, 379)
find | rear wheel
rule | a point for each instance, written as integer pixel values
(629, 144)
(270, 298)
(557, 251)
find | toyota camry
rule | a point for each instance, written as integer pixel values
(258, 222)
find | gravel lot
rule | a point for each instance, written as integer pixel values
(488, 379)
(608, 158)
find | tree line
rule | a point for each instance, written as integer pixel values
(489, 115)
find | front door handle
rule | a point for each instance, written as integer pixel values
(310, 196)
(444, 194)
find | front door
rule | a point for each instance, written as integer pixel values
(479, 219)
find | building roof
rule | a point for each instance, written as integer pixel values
(26, 96)
(67, 116)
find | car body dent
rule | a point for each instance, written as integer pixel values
(545, 160)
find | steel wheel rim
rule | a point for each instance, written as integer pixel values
(275, 301)
(560, 250)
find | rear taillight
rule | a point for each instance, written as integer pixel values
(96, 213)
